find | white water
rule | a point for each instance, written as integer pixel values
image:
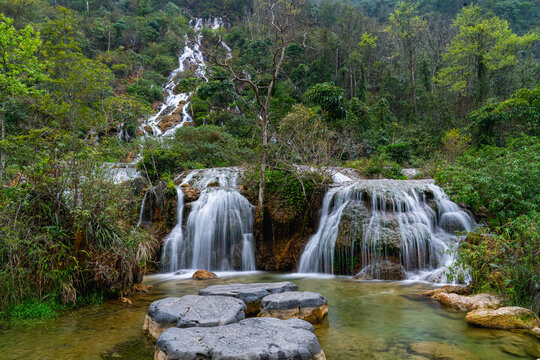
(389, 207)
(191, 58)
(218, 233)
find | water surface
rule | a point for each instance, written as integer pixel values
(367, 320)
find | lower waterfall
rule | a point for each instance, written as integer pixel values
(373, 222)
(218, 232)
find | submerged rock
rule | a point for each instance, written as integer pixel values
(384, 270)
(434, 350)
(204, 275)
(305, 305)
(191, 311)
(468, 303)
(255, 338)
(510, 317)
(251, 294)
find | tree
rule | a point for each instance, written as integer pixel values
(19, 67)
(481, 47)
(329, 97)
(406, 28)
(278, 20)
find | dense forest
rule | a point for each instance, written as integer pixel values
(448, 87)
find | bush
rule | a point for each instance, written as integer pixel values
(193, 147)
(399, 152)
(378, 166)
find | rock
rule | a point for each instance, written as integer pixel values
(449, 289)
(251, 294)
(305, 305)
(190, 193)
(436, 351)
(141, 288)
(213, 184)
(510, 317)
(384, 270)
(255, 338)
(191, 311)
(126, 300)
(468, 303)
(452, 222)
(204, 275)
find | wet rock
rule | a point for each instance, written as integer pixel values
(351, 226)
(452, 223)
(255, 338)
(190, 193)
(204, 275)
(305, 305)
(468, 303)
(510, 317)
(191, 311)
(384, 270)
(442, 351)
(213, 184)
(251, 294)
(141, 288)
(449, 289)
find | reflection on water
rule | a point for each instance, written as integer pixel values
(367, 320)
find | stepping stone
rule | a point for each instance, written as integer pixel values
(305, 305)
(191, 311)
(251, 294)
(254, 338)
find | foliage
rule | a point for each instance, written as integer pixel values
(505, 262)
(378, 166)
(498, 182)
(329, 97)
(455, 143)
(200, 147)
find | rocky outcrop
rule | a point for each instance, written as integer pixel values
(468, 303)
(449, 289)
(190, 193)
(251, 294)
(511, 317)
(305, 305)
(191, 311)
(255, 338)
(383, 270)
(441, 351)
(204, 275)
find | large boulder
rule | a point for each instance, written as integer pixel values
(305, 305)
(468, 303)
(510, 317)
(442, 351)
(255, 338)
(383, 270)
(204, 275)
(191, 311)
(190, 193)
(251, 294)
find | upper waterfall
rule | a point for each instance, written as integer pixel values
(174, 112)
(363, 223)
(218, 232)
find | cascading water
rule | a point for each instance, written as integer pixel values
(177, 104)
(218, 233)
(367, 222)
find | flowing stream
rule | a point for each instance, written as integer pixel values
(218, 232)
(177, 104)
(362, 223)
(366, 320)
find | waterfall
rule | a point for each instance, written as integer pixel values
(191, 58)
(218, 233)
(363, 223)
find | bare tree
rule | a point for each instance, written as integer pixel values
(281, 21)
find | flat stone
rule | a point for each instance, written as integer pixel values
(449, 289)
(436, 351)
(305, 305)
(509, 317)
(191, 311)
(468, 303)
(255, 338)
(251, 294)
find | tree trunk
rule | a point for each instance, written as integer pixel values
(264, 129)
(2, 154)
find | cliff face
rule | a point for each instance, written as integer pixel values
(284, 232)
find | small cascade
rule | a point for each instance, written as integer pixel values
(371, 222)
(218, 232)
(176, 106)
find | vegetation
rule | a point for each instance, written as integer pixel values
(374, 85)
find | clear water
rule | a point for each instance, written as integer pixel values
(367, 320)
